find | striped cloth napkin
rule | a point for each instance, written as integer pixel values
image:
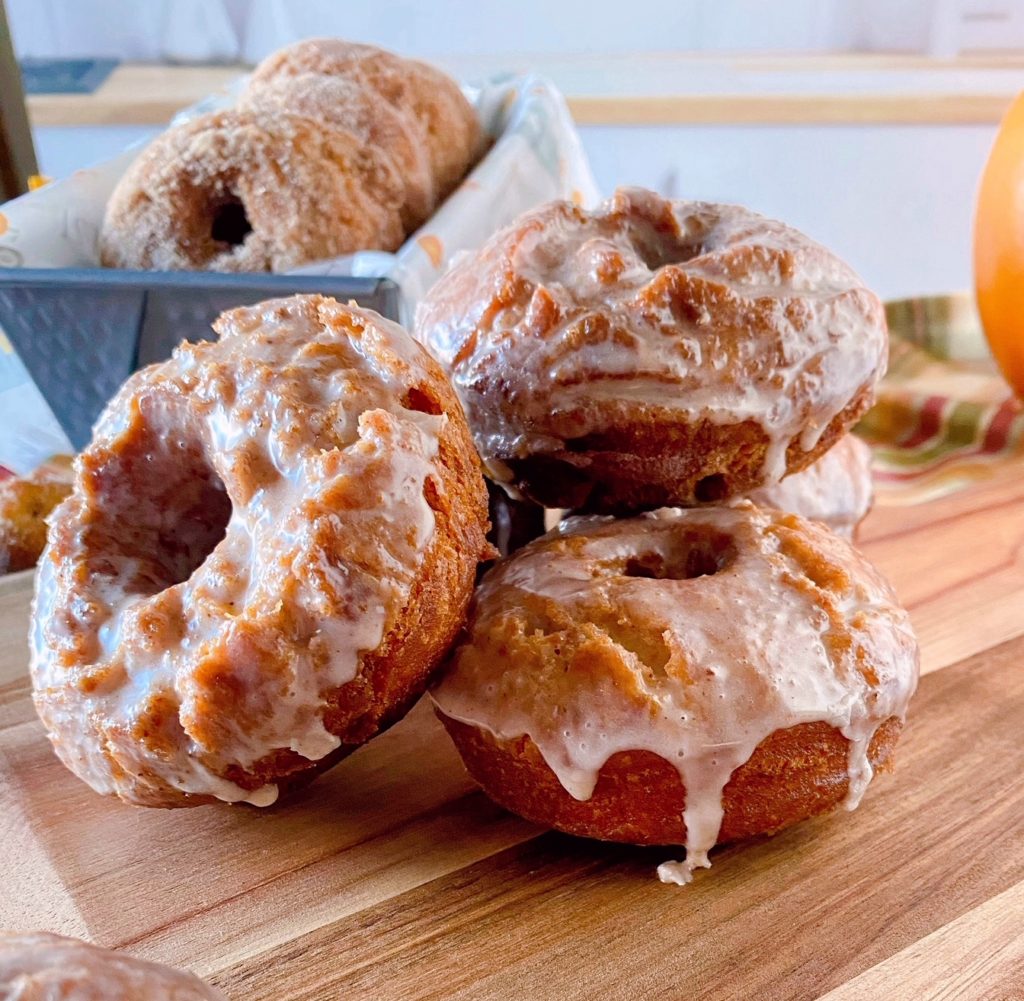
(945, 418)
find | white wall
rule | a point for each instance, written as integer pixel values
(227, 29)
(894, 201)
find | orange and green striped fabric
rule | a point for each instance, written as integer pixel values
(945, 417)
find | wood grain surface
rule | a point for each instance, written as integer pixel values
(393, 878)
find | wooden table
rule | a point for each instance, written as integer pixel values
(392, 878)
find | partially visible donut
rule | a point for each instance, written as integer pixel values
(251, 191)
(44, 967)
(345, 106)
(25, 504)
(690, 677)
(271, 543)
(836, 489)
(652, 352)
(451, 129)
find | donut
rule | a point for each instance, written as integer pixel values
(692, 677)
(836, 489)
(271, 543)
(653, 353)
(25, 504)
(251, 191)
(449, 124)
(43, 967)
(342, 105)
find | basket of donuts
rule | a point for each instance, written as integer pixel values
(276, 541)
(360, 170)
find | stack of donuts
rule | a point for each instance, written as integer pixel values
(334, 147)
(675, 664)
(272, 544)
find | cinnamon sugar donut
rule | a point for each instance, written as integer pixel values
(251, 191)
(450, 127)
(345, 106)
(653, 353)
(690, 677)
(25, 504)
(271, 542)
(43, 967)
(836, 489)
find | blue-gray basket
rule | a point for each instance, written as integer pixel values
(82, 332)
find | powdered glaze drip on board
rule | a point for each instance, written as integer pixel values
(716, 628)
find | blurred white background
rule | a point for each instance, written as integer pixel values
(895, 199)
(249, 29)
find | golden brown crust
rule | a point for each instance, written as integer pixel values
(614, 359)
(795, 774)
(617, 671)
(648, 458)
(449, 126)
(341, 105)
(272, 542)
(25, 504)
(251, 191)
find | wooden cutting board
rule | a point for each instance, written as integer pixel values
(392, 878)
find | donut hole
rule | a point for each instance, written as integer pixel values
(695, 554)
(162, 507)
(229, 223)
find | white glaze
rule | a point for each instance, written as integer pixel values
(711, 311)
(296, 405)
(752, 649)
(42, 967)
(835, 489)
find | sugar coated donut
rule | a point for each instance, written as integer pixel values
(251, 191)
(835, 489)
(271, 542)
(43, 967)
(25, 504)
(653, 352)
(690, 677)
(345, 106)
(449, 124)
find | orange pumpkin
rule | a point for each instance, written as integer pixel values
(999, 247)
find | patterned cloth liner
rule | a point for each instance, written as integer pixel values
(535, 155)
(945, 418)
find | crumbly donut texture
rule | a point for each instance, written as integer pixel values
(700, 642)
(25, 504)
(653, 352)
(347, 107)
(252, 190)
(43, 967)
(449, 125)
(271, 542)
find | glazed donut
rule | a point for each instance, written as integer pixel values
(690, 677)
(251, 191)
(836, 489)
(43, 967)
(271, 542)
(449, 124)
(653, 353)
(25, 504)
(344, 106)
